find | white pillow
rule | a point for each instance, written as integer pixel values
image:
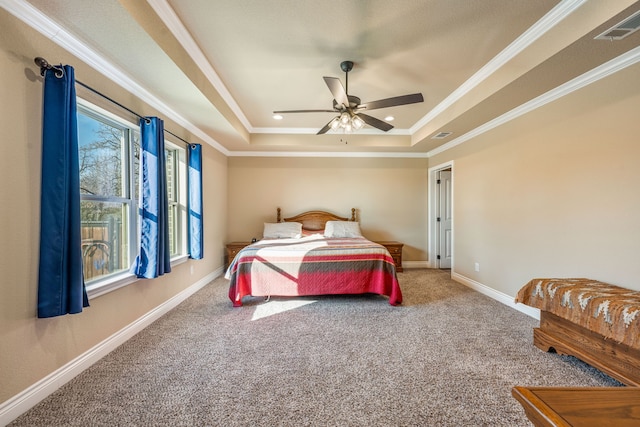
(342, 229)
(282, 230)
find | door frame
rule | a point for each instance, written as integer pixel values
(432, 214)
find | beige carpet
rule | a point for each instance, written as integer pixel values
(447, 357)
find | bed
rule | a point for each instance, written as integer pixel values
(311, 254)
(594, 321)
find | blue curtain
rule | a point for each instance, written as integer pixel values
(61, 288)
(196, 238)
(154, 255)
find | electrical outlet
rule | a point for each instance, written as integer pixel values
(477, 266)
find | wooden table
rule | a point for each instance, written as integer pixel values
(580, 406)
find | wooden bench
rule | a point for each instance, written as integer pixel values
(593, 321)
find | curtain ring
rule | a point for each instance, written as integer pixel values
(58, 71)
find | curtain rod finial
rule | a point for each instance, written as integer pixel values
(44, 65)
(41, 62)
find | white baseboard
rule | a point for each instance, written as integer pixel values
(22, 402)
(496, 295)
(28, 398)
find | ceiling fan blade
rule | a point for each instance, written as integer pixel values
(391, 102)
(326, 127)
(337, 90)
(304, 111)
(376, 123)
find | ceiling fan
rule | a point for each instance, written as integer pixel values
(349, 107)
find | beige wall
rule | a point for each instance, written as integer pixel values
(555, 193)
(32, 348)
(390, 195)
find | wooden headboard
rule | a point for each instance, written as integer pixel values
(315, 220)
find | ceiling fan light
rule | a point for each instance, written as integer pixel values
(335, 123)
(347, 128)
(357, 123)
(344, 118)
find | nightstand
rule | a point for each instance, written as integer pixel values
(233, 248)
(395, 249)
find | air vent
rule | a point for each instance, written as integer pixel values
(441, 135)
(623, 29)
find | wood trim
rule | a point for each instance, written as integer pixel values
(315, 220)
(538, 412)
(580, 406)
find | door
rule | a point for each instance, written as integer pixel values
(444, 215)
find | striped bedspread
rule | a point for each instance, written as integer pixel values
(608, 310)
(313, 265)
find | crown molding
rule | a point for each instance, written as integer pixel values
(608, 68)
(332, 154)
(179, 31)
(33, 17)
(37, 20)
(313, 131)
(546, 23)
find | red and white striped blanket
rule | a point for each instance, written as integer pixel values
(313, 265)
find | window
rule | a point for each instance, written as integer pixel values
(177, 196)
(109, 152)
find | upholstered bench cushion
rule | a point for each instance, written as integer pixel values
(609, 310)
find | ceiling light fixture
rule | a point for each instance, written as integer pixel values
(349, 107)
(347, 121)
(389, 118)
(278, 116)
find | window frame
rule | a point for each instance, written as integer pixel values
(179, 200)
(103, 285)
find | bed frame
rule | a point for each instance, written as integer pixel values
(359, 265)
(617, 360)
(315, 220)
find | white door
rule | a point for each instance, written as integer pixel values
(443, 217)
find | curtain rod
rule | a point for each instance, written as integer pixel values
(44, 65)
